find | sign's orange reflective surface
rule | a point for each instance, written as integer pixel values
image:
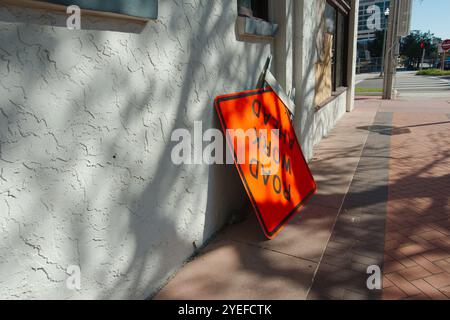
(277, 178)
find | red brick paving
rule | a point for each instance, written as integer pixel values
(417, 243)
(417, 230)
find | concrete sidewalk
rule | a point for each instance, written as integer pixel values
(374, 206)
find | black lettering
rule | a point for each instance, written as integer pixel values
(266, 175)
(277, 186)
(283, 136)
(276, 123)
(291, 142)
(287, 164)
(276, 155)
(267, 117)
(268, 147)
(287, 193)
(254, 165)
(257, 137)
(256, 112)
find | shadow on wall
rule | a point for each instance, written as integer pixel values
(225, 194)
(83, 180)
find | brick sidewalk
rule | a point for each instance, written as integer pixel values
(383, 194)
(417, 248)
(398, 204)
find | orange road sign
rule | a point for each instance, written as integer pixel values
(277, 178)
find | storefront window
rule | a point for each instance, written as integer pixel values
(341, 51)
(337, 26)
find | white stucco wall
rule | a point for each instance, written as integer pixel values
(85, 123)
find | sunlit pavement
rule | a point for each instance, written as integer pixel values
(398, 203)
(417, 246)
(383, 199)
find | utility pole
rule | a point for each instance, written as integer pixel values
(392, 50)
(383, 58)
(443, 60)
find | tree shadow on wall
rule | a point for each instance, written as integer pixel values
(115, 204)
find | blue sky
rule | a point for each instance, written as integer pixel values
(432, 15)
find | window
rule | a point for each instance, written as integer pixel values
(341, 51)
(331, 64)
(254, 8)
(253, 19)
(336, 15)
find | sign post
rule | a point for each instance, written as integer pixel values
(276, 177)
(422, 46)
(392, 50)
(445, 46)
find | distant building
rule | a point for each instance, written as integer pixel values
(372, 19)
(366, 32)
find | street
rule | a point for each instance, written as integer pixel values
(408, 84)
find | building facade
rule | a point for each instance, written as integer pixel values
(86, 117)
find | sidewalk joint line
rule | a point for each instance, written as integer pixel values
(272, 250)
(340, 209)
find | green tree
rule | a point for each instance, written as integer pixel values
(410, 47)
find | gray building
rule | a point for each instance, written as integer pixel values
(86, 118)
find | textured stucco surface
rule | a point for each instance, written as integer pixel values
(85, 124)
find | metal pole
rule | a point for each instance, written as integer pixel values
(443, 60)
(383, 58)
(391, 51)
(423, 58)
(388, 64)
